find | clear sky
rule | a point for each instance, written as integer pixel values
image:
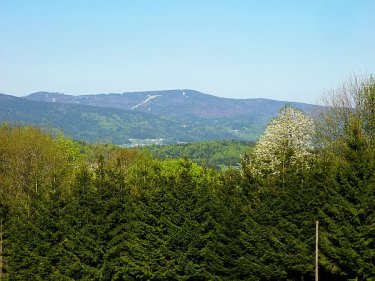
(285, 50)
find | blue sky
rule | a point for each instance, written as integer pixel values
(285, 50)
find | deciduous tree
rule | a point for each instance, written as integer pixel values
(285, 144)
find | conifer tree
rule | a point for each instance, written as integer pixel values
(347, 216)
(82, 228)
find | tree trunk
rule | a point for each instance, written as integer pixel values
(1, 251)
(317, 252)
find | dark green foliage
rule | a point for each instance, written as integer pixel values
(348, 213)
(223, 227)
(126, 216)
(34, 247)
(166, 232)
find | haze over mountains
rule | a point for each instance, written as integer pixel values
(170, 116)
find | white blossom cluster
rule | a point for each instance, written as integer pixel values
(286, 142)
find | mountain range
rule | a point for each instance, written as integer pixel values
(152, 117)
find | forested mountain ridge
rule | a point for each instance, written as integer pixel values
(88, 123)
(98, 124)
(157, 117)
(177, 103)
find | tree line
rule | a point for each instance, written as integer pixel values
(125, 215)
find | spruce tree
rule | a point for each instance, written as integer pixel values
(347, 217)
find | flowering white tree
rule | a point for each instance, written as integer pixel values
(286, 142)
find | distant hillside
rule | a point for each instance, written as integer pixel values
(96, 124)
(143, 118)
(176, 103)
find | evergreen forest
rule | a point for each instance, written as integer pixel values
(73, 211)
